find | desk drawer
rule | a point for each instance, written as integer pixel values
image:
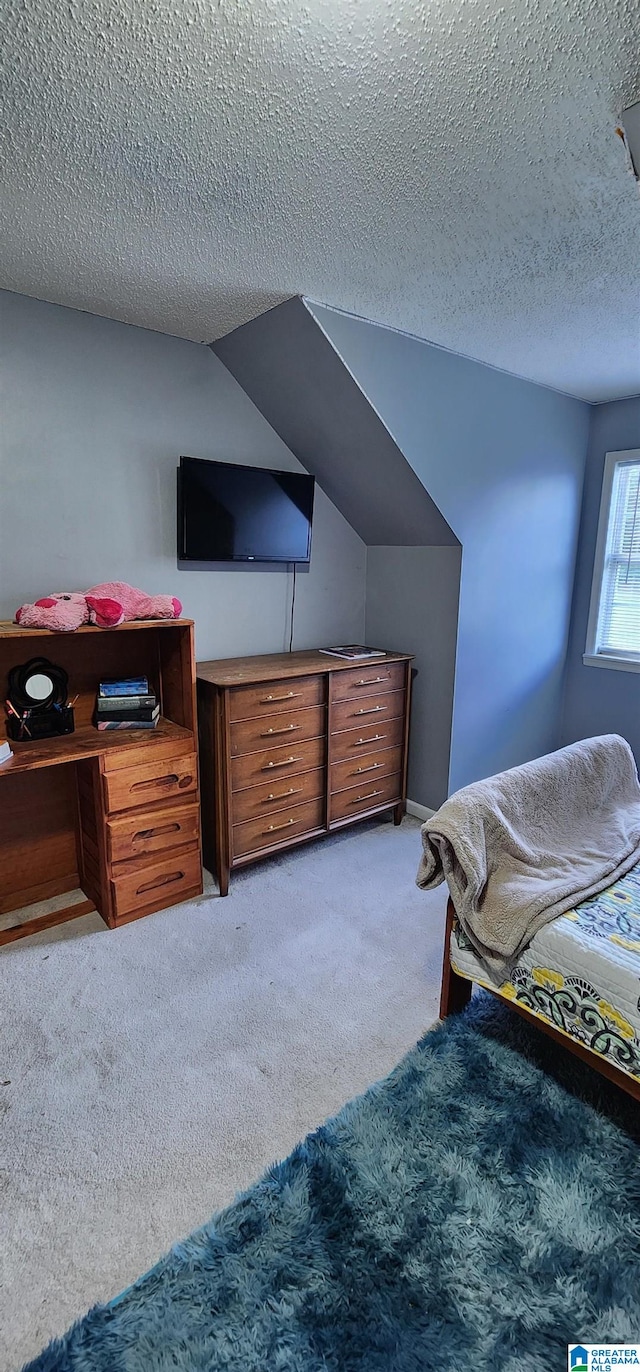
(346, 714)
(156, 884)
(356, 771)
(249, 735)
(130, 786)
(271, 697)
(152, 831)
(274, 764)
(268, 831)
(274, 795)
(368, 680)
(369, 739)
(365, 797)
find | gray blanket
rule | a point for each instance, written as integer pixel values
(528, 844)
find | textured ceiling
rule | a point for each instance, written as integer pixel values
(448, 167)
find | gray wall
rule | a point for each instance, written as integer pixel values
(503, 460)
(95, 416)
(599, 700)
(289, 366)
(412, 606)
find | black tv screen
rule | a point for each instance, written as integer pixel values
(230, 513)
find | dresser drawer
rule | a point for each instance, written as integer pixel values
(271, 697)
(372, 710)
(358, 770)
(367, 739)
(153, 885)
(368, 680)
(156, 780)
(275, 764)
(152, 831)
(249, 735)
(367, 796)
(290, 823)
(274, 795)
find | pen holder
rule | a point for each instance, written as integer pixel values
(35, 724)
(36, 702)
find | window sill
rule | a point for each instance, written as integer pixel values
(619, 664)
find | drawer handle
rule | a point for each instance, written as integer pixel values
(375, 710)
(273, 828)
(369, 796)
(291, 695)
(288, 729)
(376, 739)
(293, 791)
(373, 768)
(155, 833)
(172, 779)
(165, 880)
(369, 680)
(285, 763)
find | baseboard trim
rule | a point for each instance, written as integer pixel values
(420, 811)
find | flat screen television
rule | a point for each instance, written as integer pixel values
(230, 513)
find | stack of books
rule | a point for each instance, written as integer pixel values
(353, 651)
(127, 704)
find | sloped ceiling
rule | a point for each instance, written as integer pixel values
(290, 369)
(446, 167)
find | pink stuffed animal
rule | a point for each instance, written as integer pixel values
(106, 605)
(59, 612)
(114, 601)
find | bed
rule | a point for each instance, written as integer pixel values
(542, 863)
(579, 978)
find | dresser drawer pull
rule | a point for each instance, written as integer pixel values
(159, 881)
(291, 695)
(285, 763)
(361, 741)
(373, 768)
(369, 680)
(155, 833)
(293, 791)
(375, 710)
(171, 780)
(288, 729)
(370, 796)
(273, 828)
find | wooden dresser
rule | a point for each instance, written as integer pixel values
(296, 745)
(115, 814)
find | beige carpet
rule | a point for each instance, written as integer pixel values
(150, 1073)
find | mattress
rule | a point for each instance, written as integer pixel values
(580, 973)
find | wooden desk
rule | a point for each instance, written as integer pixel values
(296, 745)
(114, 813)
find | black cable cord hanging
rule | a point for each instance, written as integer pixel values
(293, 604)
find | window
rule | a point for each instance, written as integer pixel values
(613, 636)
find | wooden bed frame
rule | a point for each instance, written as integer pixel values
(456, 993)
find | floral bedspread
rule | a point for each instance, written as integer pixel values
(581, 973)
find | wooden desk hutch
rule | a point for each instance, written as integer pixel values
(113, 813)
(296, 745)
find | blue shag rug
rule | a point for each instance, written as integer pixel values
(478, 1209)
